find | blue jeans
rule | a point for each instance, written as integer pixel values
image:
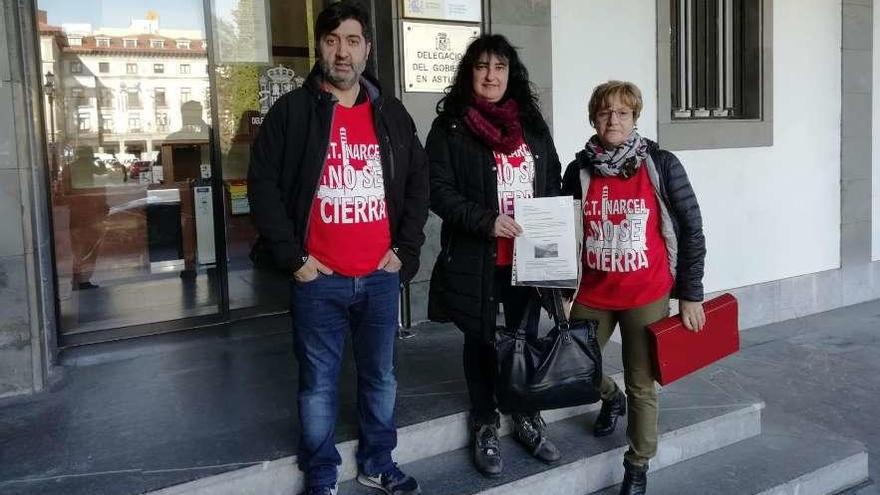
(323, 310)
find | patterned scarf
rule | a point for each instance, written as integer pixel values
(622, 161)
(497, 126)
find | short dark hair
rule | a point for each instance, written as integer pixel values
(331, 17)
(460, 94)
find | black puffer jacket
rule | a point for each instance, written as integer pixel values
(287, 160)
(464, 194)
(678, 197)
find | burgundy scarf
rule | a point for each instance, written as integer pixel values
(498, 126)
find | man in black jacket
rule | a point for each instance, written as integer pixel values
(338, 186)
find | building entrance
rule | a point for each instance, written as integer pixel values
(150, 110)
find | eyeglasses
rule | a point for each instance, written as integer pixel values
(622, 115)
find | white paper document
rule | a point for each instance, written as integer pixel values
(545, 254)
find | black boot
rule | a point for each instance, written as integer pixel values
(487, 452)
(612, 409)
(529, 431)
(635, 479)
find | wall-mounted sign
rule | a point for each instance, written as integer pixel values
(444, 10)
(431, 53)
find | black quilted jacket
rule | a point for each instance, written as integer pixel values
(464, 194)
(287, 160)
(678, 195)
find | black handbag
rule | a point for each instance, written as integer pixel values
(561, 369)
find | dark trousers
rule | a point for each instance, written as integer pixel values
(480, 368)
(323, 311)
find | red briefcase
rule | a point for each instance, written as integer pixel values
(679, 352)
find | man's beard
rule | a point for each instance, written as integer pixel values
(342, 81)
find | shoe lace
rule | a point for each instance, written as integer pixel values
(488, 439)
(392, 474)
(531, 428)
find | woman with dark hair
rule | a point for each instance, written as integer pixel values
(487, 146)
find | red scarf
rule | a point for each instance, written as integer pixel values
(497, 125)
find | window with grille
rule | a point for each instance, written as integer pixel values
(102, 42)
(716, 58)
(715, 73)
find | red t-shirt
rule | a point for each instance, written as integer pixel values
(348, 225)
(516, 179)
(624, 254)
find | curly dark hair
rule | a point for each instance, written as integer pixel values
(461, 92)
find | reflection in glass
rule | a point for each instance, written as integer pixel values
(247, 86)
(130, 160)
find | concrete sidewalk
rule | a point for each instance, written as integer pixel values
(823, 368)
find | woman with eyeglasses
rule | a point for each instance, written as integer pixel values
(488, 146)
(642, 244)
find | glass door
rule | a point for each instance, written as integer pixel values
(128, 115)
(263, 50)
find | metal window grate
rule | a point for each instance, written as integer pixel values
(716, 59)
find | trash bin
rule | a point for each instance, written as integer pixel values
(164, 232)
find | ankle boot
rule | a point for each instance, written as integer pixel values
(635, 479)
(612, 409)
(487, 452)
(530, 431)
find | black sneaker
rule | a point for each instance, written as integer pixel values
(487, 451)
(391, 482)
(529, 431)
(320, 490)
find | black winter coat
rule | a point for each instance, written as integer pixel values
(287, 161)
(464, 194)
(677, 194)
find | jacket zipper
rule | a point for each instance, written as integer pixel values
(318, 182)
(377, 122)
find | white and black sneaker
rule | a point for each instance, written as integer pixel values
(391, 482)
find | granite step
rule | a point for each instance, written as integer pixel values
(789, 457)
(414, 442)
(695, 419)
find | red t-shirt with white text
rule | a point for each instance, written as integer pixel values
(516, 179)
(348, 225)
(624, 254)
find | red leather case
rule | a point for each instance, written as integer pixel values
(679, 352)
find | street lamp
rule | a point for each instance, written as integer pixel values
(49, 89)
